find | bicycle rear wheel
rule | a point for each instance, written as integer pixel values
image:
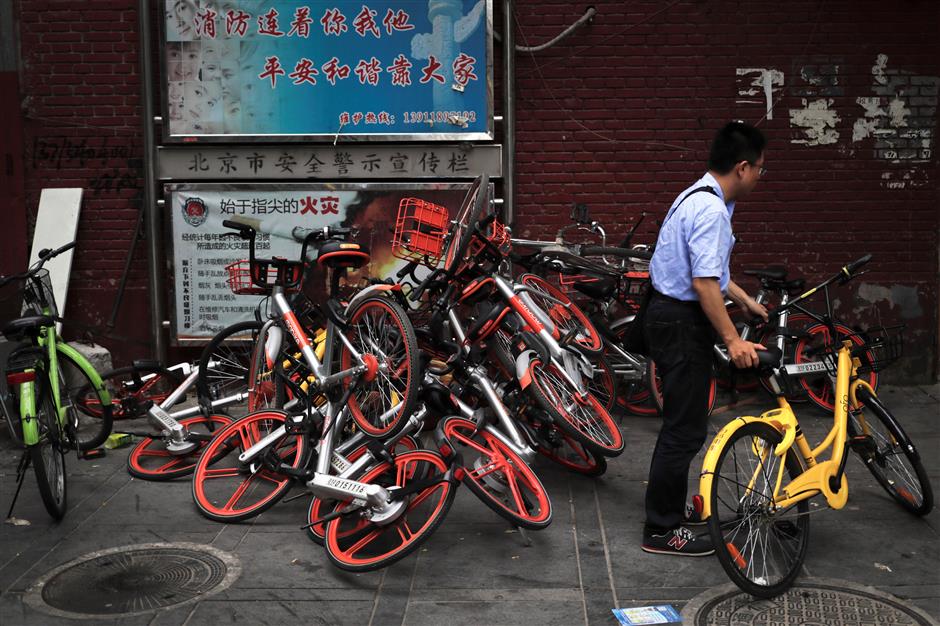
(131, 390)
(582, 418)
(87, 429)
(151, 460)
(811, 348)
(498, 476)
(48, 455)
(226, 490)
(318, 507)
(760, 548)
(385, 395)
(889, 455)
(359, 544)
(226, 367)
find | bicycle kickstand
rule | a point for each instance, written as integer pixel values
(21, 468)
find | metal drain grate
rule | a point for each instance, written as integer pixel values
(810, 601)
(133, 579)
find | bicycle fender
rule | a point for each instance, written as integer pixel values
(28, 413)
(523, 361)
(371, 290)
(714, 449)
(87, 368)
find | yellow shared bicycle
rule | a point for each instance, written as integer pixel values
(760, 471)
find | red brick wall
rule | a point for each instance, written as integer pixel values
(80, 84)
(620, 115)
(617, 116)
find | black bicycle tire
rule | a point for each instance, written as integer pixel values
(604, 363)
(623, 253)
(480, 187)
(205, 388)
(794, 468)
(105, 422)
(906, 447)
(46, 418)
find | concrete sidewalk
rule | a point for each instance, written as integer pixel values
(475, 569)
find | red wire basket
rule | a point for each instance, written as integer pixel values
(240, 277)
(420, 229)
(496, 234)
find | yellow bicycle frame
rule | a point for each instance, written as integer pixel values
(817, 476)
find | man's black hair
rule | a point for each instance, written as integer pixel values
(734, 143)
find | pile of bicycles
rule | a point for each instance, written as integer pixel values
(380, 400)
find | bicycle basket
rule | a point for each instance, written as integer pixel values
(495, 233)
(883, 346)
(33, 297)
(419, 231)
(288, 274)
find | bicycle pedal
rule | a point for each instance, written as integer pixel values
(92, 455)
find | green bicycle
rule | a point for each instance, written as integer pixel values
(41, 383)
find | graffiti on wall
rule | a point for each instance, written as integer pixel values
(897, 119)
(95, 153)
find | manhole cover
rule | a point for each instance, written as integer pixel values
(133, 579)
(810, 602)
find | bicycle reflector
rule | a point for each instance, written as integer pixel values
(18, 378)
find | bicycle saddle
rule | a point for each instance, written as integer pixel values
(30, 325)
(337, 254)
(600, 289)
(769, 273)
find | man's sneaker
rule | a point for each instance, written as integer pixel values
(679, 541)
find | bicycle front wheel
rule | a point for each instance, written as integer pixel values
(150, 459)
(566, 315)
(48, 455)
(384, 396)
(889, 455)
(760, 547)
(498, 476)
(226, 490)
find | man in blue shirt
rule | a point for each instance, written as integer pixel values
(690, 276)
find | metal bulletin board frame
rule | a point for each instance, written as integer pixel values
(199, 83)
(197, 256)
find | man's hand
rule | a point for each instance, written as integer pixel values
(744, 353)
(753, 307)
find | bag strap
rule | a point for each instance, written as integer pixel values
(704, 188)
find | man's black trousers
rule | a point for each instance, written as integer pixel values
(680, 342)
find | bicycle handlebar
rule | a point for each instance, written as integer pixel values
(44, 255)
(623, 253)
(854, 266)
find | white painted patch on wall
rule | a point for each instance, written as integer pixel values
(817, 121)
(754, 81)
